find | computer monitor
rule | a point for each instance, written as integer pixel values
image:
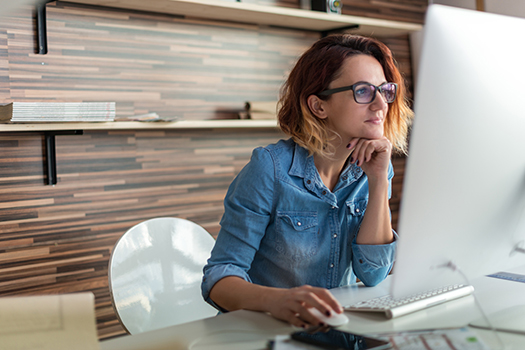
(464, 188)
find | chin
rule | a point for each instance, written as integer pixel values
(373, 136)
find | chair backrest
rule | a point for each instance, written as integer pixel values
(155, 272)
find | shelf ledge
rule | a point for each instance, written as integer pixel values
(263, 15)
(183, 124)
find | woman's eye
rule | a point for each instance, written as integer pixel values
(361, 91)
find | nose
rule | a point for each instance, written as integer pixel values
(379, 102)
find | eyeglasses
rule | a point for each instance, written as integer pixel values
(366, 93)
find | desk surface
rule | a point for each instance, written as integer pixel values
(251, 330)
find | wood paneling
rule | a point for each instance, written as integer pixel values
(58, 239)
(148, 62)
(397, 10)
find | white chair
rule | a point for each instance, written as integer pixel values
(155, 272)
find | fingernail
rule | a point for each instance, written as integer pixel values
(322, 324)
(327, 313)
(349, 145)
(303, 326)
(351, 159)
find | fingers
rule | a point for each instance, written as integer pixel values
(304, 299)
(325, 301)
(363, 150)
(373, 156)
(295, 319)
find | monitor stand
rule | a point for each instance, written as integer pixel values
(510, 320)
(507, 320)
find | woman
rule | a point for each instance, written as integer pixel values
(311, 213)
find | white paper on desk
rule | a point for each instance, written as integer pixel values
(48, 322)
(457, 338)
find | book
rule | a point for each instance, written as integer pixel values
(35, 112)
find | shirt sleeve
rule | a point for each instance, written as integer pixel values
(247, 208)
(373, 263)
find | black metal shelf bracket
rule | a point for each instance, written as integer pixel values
(51, 160)
(325, 33)
(41, 26)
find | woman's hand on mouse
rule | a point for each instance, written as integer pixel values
(291, 305)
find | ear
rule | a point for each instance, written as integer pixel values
(317, 106)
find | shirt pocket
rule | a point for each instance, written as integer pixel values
(297, 234)
(355, 210)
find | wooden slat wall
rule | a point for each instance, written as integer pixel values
(58, 239)
(396, 10)
(149, 62)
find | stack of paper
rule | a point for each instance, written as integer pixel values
(48, 322)
(31, 112)
(149, 117)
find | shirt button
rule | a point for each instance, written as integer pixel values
(324, 192)
(331, 265)
(357, 210)
(335, 235)
(299, 223)
(309, 182)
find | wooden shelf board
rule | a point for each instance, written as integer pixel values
(263, 15)
(183, 124)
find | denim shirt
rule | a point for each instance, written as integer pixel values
(282, 227)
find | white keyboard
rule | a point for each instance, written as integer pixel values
(398, 307)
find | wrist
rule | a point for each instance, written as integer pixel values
(267, 298)
(378, 183)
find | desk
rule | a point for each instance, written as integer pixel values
(251, 330)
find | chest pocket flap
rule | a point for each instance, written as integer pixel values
(357, 207)
(300, 220)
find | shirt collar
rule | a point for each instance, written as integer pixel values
(300, 161)
(302, 166)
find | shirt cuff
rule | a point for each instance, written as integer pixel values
(214, 275)
(376, 255)
(372, 263)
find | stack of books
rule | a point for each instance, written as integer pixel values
(35, 112)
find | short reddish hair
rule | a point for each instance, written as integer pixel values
(313, 73)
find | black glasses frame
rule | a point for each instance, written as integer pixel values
(352, 87)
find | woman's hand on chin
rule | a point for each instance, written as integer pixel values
(373, 156)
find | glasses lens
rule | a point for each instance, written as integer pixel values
(389, 90)
(364, 93)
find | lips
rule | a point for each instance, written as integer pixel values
(376, 121)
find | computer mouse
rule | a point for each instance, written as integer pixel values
(333, 320)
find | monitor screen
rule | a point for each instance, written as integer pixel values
(464, 188)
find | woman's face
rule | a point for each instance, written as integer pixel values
(345, 116)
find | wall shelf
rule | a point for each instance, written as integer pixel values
(263, 15)
(183, 124)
